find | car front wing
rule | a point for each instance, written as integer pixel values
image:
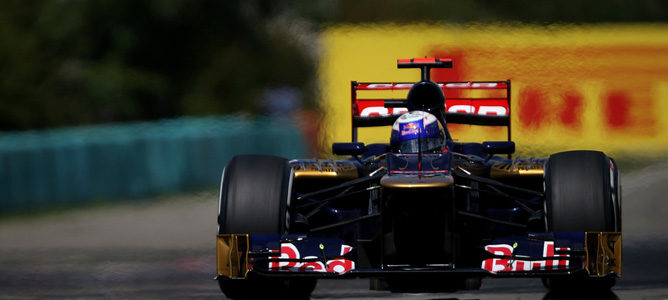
(594, 254)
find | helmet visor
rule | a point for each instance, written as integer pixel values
(425, 144)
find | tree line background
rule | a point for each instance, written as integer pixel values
(76, 62)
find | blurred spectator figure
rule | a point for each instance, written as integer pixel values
(280, 101)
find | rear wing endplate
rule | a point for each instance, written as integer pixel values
(485, 103)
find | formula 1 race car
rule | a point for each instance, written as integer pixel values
(422, 213)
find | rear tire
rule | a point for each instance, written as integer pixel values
(254, 198)
(582, 194)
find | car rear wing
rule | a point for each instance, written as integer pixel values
(485, 103)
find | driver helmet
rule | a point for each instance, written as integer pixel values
(417, 131)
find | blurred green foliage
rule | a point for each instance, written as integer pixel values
(83, 62)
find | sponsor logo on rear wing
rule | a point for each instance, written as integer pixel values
(484, 103)
(496, 85)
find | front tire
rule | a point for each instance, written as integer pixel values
(254, 197)
(582, 194)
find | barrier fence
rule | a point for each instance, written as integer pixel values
(137, 160)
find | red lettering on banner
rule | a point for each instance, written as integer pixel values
(572, 110)
(457, 73)
(617, 110)
(554, 95)
(532, 108)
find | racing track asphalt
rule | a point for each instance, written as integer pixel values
(165, 249)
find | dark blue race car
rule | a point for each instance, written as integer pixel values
(423, 213)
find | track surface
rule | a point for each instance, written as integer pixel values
(165, 249)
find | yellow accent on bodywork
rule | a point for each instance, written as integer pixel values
(324, 168)
(518, 167)
(232, 255)
(604, 253)
(404, 182)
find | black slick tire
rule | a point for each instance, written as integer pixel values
(582, 194)
(254, 198)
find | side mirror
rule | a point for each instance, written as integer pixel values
(505, 147)
(348, 148)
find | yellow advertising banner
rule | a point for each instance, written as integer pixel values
(601, 87)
